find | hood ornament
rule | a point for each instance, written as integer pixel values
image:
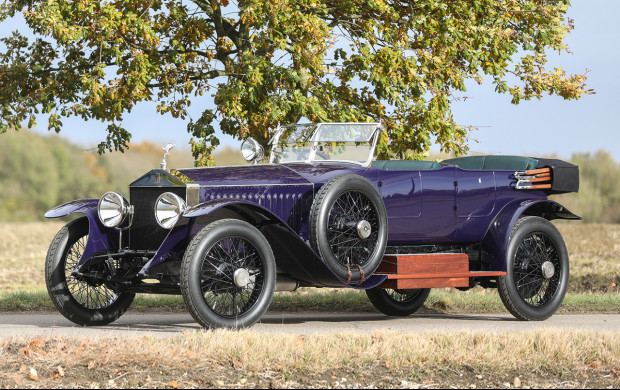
(166, 149)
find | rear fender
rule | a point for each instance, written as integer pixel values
(495, 243)
(100, 238)
(294, 257)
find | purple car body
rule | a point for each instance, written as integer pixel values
(430, 208)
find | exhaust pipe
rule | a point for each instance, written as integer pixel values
(286, 284)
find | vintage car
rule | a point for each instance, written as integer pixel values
(321, 213)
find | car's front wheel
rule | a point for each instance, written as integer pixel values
(228, 275)
(81, 302)
(537, 270)
(397, 303)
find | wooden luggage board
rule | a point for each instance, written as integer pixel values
(428, 271)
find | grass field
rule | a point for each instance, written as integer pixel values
(383, 359)
(594, 250)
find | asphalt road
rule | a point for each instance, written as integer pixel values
(167, 324)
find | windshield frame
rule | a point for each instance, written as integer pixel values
(314, 140)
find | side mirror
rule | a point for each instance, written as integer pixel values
(251, 150)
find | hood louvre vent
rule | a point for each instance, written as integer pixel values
(289, 205)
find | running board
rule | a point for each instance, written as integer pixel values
(429, 271)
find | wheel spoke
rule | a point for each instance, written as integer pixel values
(536, 249)
(349, 209)
(87, 295)
(217, 281)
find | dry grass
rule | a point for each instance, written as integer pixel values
(22, 254)
(594, 250)
(383, 359)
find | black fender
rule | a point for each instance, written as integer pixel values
(294, 257)
(495, 242)
(100, 238)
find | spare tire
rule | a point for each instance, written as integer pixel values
(348, 227)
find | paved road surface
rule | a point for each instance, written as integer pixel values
(166, 324)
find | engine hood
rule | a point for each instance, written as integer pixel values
(246, 175)
(267, 175)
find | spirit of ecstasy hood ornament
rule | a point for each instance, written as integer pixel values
(166, 149)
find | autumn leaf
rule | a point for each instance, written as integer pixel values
(33, 375)
(237, 365)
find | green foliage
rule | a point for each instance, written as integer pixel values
(38, 173)
(269, 62)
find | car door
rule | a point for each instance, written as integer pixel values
(475, 193)
(401, 192)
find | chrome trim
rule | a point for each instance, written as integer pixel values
(192, 194)
(125, 209)
(180, 204)
(192, 191)
(258, 152)
(315, 143)
(166, 149)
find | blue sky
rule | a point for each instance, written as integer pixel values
(549, 126)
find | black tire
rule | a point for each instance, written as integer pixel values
(397, 303)
(208, 275)
(78, 301)
(536, 247)
(343, 208)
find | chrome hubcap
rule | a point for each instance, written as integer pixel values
(548, 270)
(241, 277)
(364, 229)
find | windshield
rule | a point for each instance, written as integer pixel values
(349, 142)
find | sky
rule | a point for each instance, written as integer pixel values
(551, 126)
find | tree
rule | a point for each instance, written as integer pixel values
(275, 61)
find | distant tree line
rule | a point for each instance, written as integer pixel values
(40, 172)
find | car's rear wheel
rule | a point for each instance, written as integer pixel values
(397, 303)
(348, 227)
(81, 302)
(228, 275)
(537, 270)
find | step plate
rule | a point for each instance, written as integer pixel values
(428, 271)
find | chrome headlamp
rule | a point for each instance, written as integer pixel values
(168, 209)
(113, 209)
(251, 150)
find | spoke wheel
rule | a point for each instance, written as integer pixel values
(397, 303)
(353, 228)
(228, 275)
(79, 301)
(232, 276)
(537, 271)
(534, 253)
(87, 295)
(348, 227)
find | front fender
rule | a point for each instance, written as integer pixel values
(100, 238)
(75, 206)
(495, 243)
(294, 257)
